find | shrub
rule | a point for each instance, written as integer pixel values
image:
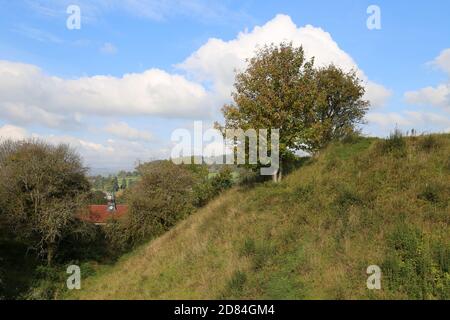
(118, 237)
(395, 144)
(96, 197)
(248, 248)
(206, 188)
(352, 137)
(48, 283)
(236, 284)
(160, 199)
(222, 181)
(42, 189)
(430, 193)
(429, 143)
(347, 198)
(412, 266)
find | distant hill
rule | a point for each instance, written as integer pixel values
(312, 236)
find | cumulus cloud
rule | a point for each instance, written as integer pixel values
(57, 102)
(202, 85)
(109, 154)
(443, 61)
(27, 94)
(438, 96)
(217, 59)
(10, 132)
(407, 120)
(430, 96)
(124, 131)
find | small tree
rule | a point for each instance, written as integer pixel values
(115, 184)
(281, 89)
(337, 108)
(41, 192)
(162, 197)
(123, 184)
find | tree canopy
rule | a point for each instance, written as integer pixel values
(41, 192)
(282, 89)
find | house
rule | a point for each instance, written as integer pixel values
(101, 214)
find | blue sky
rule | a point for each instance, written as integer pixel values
(177, 57)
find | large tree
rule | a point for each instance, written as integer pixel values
(281, 89)
(41, 188)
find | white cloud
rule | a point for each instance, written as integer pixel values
(110, 154)
(53, 101)
(443, 61)
(28, 95)
(407, 120)
(118, 154)
(438, 96)
(124, 131)
(217, 59)
(28, 114)
(58, 102)
(82, 145)
(108, 48)
(377, 94)
(433, 96)
(12, 132)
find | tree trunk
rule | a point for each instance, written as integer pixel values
(50, 254)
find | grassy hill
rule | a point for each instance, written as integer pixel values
(312, 236)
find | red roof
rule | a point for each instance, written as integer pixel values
(100, 214)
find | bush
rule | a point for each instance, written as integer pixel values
(48, 283)
(206, 188)
(222, 181)
(97, 197)
(347, 198)
(235, 285)
(160, 199)
(165, 194)
(248, 248)
(395, 144)
(429, 143)
(42, 190)
(118, 237)
(430, 193)
(414, 267)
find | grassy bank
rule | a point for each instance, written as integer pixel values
(312, 236)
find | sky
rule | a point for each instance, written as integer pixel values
(116, 86)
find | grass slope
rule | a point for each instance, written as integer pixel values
(311, 236)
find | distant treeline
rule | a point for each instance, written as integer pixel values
(114, 183)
